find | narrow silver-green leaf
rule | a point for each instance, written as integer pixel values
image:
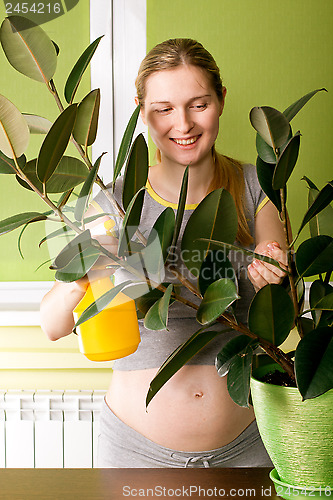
(136, 172)
(101, 303)
(130, 222)
(286, 162)
(77, 72)
(37, 124)
(157, 316)
(219, 295)
(7, 165)
(78, 267)
(14, 131)
(73, 248)
(83, 199)
(271, 314)
(69, 173)
(15, 221)
(178, 358)
(55, 143)
(181, 207)
(28, 48)
(272, 125)
(126, 143)
(85, 129)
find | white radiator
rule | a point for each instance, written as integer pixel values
(49, 428)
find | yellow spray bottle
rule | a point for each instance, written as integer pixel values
(114, 332)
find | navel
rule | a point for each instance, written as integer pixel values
(199, 394)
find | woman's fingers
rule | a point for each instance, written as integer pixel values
(261, 273)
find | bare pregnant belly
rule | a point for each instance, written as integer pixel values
(192, 412)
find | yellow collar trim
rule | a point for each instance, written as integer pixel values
(165, 203)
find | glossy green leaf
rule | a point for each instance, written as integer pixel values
(28, 48)
(130, 223)
(144, 302)
(85, 128)
(55, 143)
(326, 303)
(84, 195)
(69, 173)
(157, 316)
(37, 124)
(14, 131)
(239, 376)
(322, 222)
(78, 267)
(313, 363)
(265, 152)
(77, 72)
(136, 172)
(265, 172)
(251, 253)
(318, 202)
(181, 208)
(15, 221)
(315, 256)
(74, 247)
(318, 292)
(7, 165)
(233, 348)
(286, 162)
(126, 143)
(294, 108)
(271, 314)
(215, 266)
(159, 241)
(101, 303)
(219, 295)
(178, 358)
(209, 222)
(272, 125)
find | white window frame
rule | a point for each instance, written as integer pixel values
(113, 70)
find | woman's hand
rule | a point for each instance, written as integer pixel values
(103, 266)
(261, 273)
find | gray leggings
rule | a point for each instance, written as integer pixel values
(121, 446)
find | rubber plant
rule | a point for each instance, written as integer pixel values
(64, 183)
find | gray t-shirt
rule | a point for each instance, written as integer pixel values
(156, 346)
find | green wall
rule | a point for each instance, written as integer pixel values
(71, 33)
(270, 53)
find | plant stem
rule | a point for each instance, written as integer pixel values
(45, 198)
(290, 271)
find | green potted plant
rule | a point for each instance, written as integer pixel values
(275, 309)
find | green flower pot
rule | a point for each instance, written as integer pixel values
(298, 435)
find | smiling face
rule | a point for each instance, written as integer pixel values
(182, 111)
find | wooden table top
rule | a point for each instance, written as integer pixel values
(116, 484)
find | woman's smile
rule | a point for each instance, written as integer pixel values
(186, 142)
(182, 112)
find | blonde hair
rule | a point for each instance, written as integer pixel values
(228, 173)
